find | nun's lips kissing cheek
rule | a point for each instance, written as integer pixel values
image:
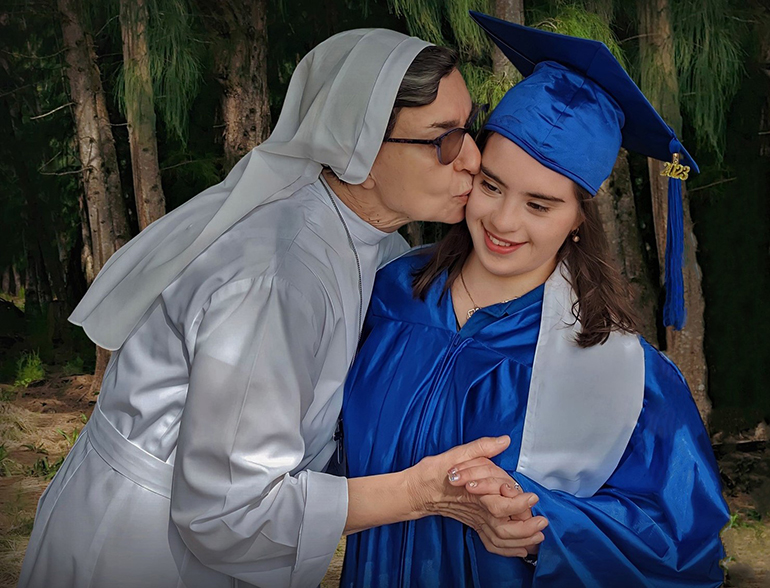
(500, 246)
(464, 196)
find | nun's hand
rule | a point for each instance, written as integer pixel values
(497, 490)
(504, 522)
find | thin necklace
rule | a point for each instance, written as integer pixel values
(476, 306)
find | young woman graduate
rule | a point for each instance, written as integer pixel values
(234, 320)
(516, 323)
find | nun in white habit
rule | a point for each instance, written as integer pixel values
(233, 321)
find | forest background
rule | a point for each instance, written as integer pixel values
(113, 112)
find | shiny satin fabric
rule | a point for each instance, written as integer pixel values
(419, 386)
(231, 386)
(556, 108)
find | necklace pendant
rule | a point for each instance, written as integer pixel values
(472, 311)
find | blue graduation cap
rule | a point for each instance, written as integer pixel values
(572, 112)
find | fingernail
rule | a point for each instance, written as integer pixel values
(542, 525)
(532, 500)
(453, 475)
(508, 486)
(473, 483)
(503, 439)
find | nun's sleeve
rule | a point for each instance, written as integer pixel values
(656, 521)
(237, 504)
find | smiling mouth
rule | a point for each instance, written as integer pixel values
(500, 242)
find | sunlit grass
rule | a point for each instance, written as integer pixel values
(29, 369)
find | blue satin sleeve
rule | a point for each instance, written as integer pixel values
(655, 522)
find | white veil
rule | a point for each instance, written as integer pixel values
(335, 113)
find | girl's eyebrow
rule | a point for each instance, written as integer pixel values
(544, 197)
(488, 173)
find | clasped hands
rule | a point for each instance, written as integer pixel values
(465, 485)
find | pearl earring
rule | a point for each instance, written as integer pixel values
(575, 236)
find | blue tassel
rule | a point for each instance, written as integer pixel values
(674, 313)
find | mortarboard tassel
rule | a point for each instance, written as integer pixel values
(674, 313)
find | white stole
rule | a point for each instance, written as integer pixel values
(583, 403)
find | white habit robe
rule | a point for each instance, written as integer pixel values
(201, 466)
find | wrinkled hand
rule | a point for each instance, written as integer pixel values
(496, 489)
(501, 516)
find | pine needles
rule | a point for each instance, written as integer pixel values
(174, 65)
(576, 21)
(709, 61)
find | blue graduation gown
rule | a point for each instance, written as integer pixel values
(419, 387)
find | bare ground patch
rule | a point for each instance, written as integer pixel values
(38, 425)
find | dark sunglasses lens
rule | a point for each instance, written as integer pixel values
(450, 146)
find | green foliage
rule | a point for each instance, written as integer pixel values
(71, 438)
(74, 367)
(485, 86)
(425, 19)
(568, 18)
(42, 468)
(7, 466)
(174, 65)
(746, 519)
(709, 60)
(561, 17)
(8, 394)
(471, 40)
(36, 448)
(29, 369)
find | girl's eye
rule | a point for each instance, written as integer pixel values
(537, 207)
(489, 187)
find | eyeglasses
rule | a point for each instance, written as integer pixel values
(449, 144)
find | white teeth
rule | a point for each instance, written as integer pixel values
(498, 241)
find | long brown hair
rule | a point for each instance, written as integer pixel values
(602, 295)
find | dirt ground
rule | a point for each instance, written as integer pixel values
(39, 424)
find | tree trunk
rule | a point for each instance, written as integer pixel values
(414, 233)
(45, 278)
(86, 253)
(34, 286)
(17, 281)
(512, 11)
(241, 67)
(764, 60)
(107, 218)
(140, 113)
(602, 8)
(617, 210)
(660, 83)
(6, 285)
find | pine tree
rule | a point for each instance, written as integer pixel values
(107, 218)
(140, 112)
(240, 61)
(660, 82)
